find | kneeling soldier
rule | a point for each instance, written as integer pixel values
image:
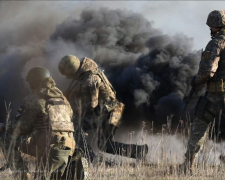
(42, 128)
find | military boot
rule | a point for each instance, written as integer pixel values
(185, 168)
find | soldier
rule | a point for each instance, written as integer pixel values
(211, 72)
(42, 128)
(93, 99)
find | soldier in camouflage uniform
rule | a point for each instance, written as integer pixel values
(42, 128)
(92, 97)
(212, 72)
(93, 100)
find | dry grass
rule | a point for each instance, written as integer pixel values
(141, 170)
(165, 150)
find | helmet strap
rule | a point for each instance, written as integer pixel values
(214, 33)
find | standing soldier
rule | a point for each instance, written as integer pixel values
(212, 72)
(42, 128)
(93, 99)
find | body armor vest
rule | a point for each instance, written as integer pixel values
(55, 118)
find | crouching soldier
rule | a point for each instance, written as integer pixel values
(94, 102)
(42, 128)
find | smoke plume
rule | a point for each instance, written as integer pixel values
(150, 71)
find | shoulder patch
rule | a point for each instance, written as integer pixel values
(207, 55)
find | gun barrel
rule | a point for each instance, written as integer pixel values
(127, 150)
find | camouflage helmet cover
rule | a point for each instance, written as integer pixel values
(69, 65)
(36, 76)
(216, 18)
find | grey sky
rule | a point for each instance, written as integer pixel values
(188, 17)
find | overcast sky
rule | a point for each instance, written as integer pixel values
(188, 17)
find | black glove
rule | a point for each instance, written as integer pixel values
(193, 82)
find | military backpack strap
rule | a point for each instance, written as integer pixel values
(115, 108)
(56, 102)
(105, 80)
(70, 89)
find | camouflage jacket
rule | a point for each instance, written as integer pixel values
(213, 60)
(91, 89)
(34, 108)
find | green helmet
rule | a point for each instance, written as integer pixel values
(216, 19)
(69, 65)
(36, 76)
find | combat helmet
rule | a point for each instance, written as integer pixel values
(36, 76)
(216, 19)
(69, 65)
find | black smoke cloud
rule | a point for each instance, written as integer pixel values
(25, 28)
(150, 71)
(114, 38)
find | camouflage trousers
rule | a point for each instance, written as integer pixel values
(201, 126)
(51, 157)
(199, 133)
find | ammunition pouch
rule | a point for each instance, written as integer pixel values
(216, 86)
(116, 114)
(65, 139)
(206, 110)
